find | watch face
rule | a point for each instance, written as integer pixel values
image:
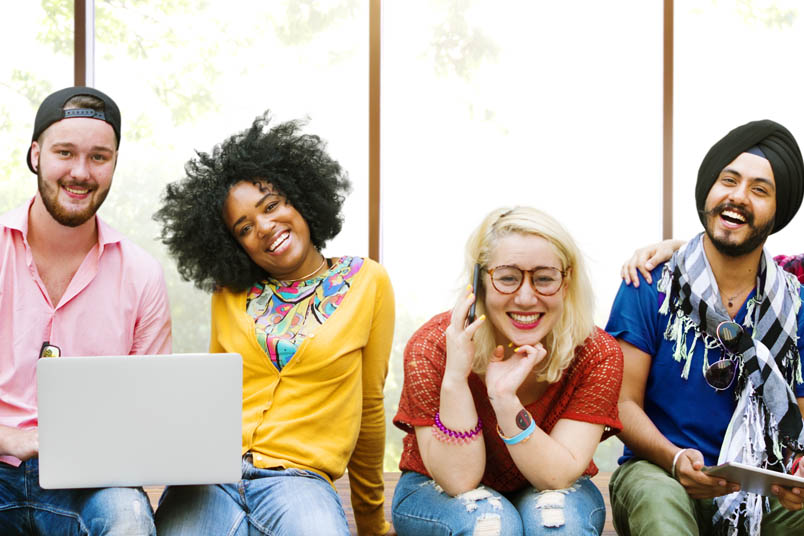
(49, 350)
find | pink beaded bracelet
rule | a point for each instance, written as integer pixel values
(445, 435)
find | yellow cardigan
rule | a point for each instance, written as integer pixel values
(325, 408)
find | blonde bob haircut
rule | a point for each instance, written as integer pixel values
(576, 323)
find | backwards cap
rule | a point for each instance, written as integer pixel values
(52, 110)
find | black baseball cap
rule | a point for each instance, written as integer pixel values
(52, 110)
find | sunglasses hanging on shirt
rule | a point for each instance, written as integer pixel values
(720, 374)
(49, 350)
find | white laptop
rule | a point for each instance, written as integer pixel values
(139, 420)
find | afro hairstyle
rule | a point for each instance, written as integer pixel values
(191, 215)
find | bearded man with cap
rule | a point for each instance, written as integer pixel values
(69, 285)
(690, 400)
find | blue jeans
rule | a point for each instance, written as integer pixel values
(276, 502)
(25, 508)
(420, 507)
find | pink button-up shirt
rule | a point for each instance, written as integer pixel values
(115, 304)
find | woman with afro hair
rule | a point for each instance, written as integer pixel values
(248, 223)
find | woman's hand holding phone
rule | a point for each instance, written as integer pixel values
(459, 333)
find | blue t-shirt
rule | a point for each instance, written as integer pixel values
(689, 413)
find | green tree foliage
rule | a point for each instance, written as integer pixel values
(56, 28)
(772, 14)
(303, 20)
(458, 47)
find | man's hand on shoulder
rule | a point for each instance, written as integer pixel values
(646, 259)
(697, 483)
(22, 444)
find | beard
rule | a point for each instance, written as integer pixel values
(754, 240)
(68, 218)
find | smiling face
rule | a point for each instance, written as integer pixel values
(74, 161)
(741, 206)
(524, 317)
(270, 230)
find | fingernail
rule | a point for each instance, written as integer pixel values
(468, 287)
(483, 317)
(517, 349)
(510, 344)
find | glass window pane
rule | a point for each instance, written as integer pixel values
(187, 74)
(551, 104)
(43, 30)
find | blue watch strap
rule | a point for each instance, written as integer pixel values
(521, 436)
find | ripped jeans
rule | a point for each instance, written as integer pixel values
(421, 508)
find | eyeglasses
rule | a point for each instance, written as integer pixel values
(720, 374)
(545, 280)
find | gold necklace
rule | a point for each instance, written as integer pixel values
(323, 262)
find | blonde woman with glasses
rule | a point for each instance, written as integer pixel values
(503, 412)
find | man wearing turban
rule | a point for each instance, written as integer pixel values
(712, 341)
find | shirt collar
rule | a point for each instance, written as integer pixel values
(17, 218)
(106, 234)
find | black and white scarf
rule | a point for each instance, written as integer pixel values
(767, 417)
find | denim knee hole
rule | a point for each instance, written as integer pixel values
(471, 498)
(551, 503)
